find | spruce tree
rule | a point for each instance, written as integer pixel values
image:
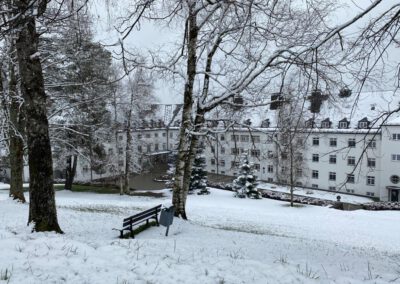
(245, 185)
(198, 179)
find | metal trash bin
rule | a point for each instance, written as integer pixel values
(167, 217)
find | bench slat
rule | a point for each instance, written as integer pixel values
(148, 215)
(155, 209)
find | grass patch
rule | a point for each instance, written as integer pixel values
(140, 229)
(148, 194)
(90, 188)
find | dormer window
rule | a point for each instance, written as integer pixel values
(326, 123)
(265, 123)
(344, 124)
(310, 123)
(363, 123)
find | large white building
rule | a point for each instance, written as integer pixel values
(343, 148)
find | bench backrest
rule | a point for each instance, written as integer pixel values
(142, 215)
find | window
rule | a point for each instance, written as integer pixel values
(213, 171)
(395, 179)
(395, 157)
(333, 142)
(299, 183)
(284, 155)
(315, 141)
(363, 124)
(350, 190)
(212, 149)
(325, 124)
(139, 136)
(149, 148)
(332, 159)
(270, 154)
(370, 180)
(351, 161)
(257, 167)
(120, 150)
(263, 170)
(156, 147)
(299, 172)
(352, 142)
(371, 143)
(332, 176)
(332, 188)
(396, 136)
(155, 134)
(270, 179)
(350, 178)
(270, 168)
(222, 150)
(370, 193)
(314, 174)
(212, 161)
(234, 164)
(235, 151)
(371, 162)
(269, 139)
(121, 163)
(256, 139)
(139, 148)
(222, 163)
(222, 172)
(284, 170)
(147, 135)
(255, 153)
(235, 138)
(164, 146)
(110, 151)
(164, 134)
(314, 185)
(299, 157)
(222, 138)
(171, 135)
(343, 124)
(315, 158)
(244, 138)
(120, 137)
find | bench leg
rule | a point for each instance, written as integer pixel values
(132, 235)
(121, 234)
(158, 224)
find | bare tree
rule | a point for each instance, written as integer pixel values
(231, 49)
(291, 136)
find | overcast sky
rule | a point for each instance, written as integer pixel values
(150, 36)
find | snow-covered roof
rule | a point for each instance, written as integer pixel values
(366, 106)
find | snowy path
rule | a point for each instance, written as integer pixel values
(227, 240)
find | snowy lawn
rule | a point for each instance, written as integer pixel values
(227, 240)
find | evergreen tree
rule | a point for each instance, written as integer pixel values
(198, 178)
(246, 183)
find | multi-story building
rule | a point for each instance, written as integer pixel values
(357, 152)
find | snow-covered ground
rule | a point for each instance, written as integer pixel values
(315, 193)
(227, 240)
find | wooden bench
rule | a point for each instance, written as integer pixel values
(128, 223)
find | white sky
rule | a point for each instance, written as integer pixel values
(149, 36)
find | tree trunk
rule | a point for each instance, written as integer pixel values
(42, 205)
(72, 162)
(179, 194)
(128, 151)
(16, 132)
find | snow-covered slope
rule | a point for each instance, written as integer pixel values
(227, 240)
